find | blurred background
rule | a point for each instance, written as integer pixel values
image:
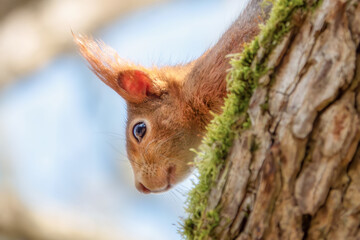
(63, 167)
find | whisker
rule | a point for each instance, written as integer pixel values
(148, 145)
(163, 141)
(117, 136)
(181, 193)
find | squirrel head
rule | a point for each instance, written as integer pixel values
(159, 131)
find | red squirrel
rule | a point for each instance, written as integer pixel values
(169, 107)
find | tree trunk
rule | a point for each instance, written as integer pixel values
(295, 173)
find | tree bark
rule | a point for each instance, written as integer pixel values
(295, 174)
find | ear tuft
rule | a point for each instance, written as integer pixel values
(130, 81)
(103, 60)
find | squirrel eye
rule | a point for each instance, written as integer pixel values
(139, 131)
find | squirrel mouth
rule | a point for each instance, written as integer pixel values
(147, 191)
(168, 187)
(171, 175)
(170, 179)
(162, 190)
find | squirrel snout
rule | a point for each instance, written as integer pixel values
(160, 182)
(141, 188)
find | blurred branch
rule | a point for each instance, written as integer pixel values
(32, 33)
(8, 6)
(18, 222)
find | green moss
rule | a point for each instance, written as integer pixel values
(315, 5)
(242, 80)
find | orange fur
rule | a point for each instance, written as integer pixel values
(174, 102)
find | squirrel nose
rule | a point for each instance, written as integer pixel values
(141, 188)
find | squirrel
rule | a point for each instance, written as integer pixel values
(168, 108)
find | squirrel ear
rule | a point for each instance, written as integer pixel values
(136, 85)
(130, 81)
